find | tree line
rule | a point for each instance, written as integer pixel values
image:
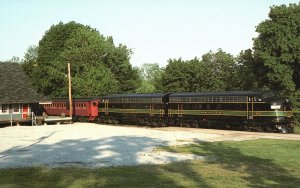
(219, 71)
(100, 67)
(272, 64)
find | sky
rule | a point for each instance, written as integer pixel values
(155, 30)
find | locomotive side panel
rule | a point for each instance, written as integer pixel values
(144, 109)
(237, 110)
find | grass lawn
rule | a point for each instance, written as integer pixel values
(297, 129)
(255, 163)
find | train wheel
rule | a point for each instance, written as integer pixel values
(291, 128)
(115, 122)
(243, 127)
(268, 129)
(260, 129)
(195, 124)
(80, 119)
(284, 129)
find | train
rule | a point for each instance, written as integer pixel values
(239, 110)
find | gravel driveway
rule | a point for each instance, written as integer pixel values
(93, 145)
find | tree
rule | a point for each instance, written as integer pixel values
(53, 42)
(146, 87)
(200, 74)
(14, 59)
(30, 60)
(95, 82)
(151, 75)
(246, 71)
(217, 72)
(95, 62)
(31, 53)
(117, 59)
(277, 50)
(175, 76)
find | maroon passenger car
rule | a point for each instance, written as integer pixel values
(83, 107)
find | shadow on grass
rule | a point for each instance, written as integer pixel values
(258, 163)
(76, 155)
(228, 164)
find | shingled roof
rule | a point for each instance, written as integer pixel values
(15, 86)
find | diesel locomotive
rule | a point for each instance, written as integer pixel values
(243, 110)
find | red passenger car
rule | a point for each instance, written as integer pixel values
(83, 108)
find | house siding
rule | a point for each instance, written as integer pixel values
(15, 88)
(15, 116)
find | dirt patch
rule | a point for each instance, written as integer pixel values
(93, 145)
(224, 135)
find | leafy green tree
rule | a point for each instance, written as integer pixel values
(96, 82)
(30, 60)
(246, 71)
(89, 53)
(85, 52)
(175, 76)
(146, 87)
(14, 59)
(150, 70)
(277, 50)
(198, 75)
(215, 72)
(31, 53)
(151, 75)
(53, 42)
(117, 58)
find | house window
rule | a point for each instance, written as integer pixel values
(16, 108)
(4, 108)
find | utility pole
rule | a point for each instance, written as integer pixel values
(70, 91)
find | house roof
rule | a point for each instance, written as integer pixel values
(15, 86)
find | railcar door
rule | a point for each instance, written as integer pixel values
(106, 106)
(180, 110)
(250, 107)
(151, 110)
(94, 108)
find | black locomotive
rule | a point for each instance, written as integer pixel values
(261, 111)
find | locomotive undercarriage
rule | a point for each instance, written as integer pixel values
(153, 121)
(216, 122)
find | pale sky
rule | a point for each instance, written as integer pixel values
(155, 30)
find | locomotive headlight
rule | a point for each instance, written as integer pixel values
(275, 107)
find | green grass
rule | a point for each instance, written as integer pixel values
(297, 129)
(255, 163)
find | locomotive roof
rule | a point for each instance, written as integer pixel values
(83, 99)
(136, 95)
(224, 93)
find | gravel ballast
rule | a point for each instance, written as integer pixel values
(89, 145)
(93, 145)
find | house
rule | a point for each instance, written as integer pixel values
(18, 99)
